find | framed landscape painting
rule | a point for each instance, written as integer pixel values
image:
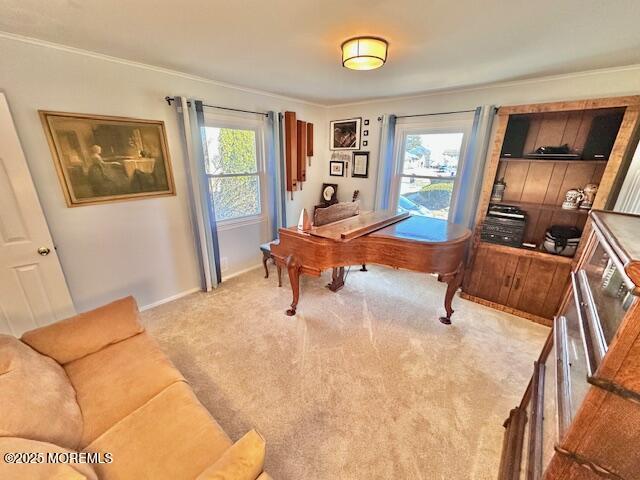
(345, 134)
(102, 159)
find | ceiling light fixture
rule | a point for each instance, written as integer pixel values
(364, 53)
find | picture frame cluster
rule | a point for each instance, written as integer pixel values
(345, 135)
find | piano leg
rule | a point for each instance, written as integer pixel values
(337, 279)
(453, 281)
(293, 268)
(265, 258)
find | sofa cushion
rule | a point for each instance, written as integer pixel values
(37, 399)
(115, 381)
(87, 332)
(44, 470)
(170, 437)
(243, 461)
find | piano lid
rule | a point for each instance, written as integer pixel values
(354, 227)
(425, 230)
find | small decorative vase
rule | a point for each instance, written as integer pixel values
(572, 199)
(589, 190)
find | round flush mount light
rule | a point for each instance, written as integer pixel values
(364, 53)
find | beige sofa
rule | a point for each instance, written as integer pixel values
(98, 383)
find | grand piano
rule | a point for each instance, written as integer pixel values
(415, 243)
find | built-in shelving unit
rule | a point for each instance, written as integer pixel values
(599, 135)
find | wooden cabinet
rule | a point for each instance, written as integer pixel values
(530, 282)
(580, 415)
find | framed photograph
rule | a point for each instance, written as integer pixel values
(345, 134)
(336, 168)
(102, 159)
(360, 165)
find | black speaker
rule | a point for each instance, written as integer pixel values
(514, 137)
(602, 136)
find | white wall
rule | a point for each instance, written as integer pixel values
(145, 247)
(604, 83)
(142, 247)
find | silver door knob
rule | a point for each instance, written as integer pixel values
(44, 251)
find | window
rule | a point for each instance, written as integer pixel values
(234, 171)
(428, 167)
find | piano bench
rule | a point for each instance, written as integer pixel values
(265, 248)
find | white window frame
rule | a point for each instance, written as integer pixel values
(257, 126)
(456, 123)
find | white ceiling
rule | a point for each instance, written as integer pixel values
(291, 47)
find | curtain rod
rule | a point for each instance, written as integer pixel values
(436, 113)
(171, 99)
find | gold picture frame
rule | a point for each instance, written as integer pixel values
(104, 159)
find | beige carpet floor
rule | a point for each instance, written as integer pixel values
(361, 384)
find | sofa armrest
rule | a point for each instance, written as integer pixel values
(244, 460)
(86, 333)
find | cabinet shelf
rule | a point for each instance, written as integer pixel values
(542, 206)
(526, 252)
(550, 160)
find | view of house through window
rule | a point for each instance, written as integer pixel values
(233, 172)
(428, 173)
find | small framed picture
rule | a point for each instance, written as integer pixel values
(360, 165)
(329, 194)
(336, 169)
(345, 134)
(365, 143)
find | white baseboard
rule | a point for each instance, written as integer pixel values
(170, 299)
(197, 289)
(235, 274)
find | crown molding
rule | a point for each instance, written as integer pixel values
(328, 106)
(492, 85)
(153, 68)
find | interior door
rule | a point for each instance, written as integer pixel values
(33, 290)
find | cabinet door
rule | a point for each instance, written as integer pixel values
(491, 275)
(535, 285)
(538, 286)
(520, 277)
